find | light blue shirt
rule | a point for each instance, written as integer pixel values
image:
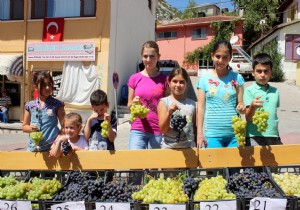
(220, 103)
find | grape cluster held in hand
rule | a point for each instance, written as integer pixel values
(239, 128)
(138, 110)
(66, 148)
(104, 130)
(37, 137)
(178, 122)
(260, 119)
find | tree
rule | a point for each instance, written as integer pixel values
(254, 12)
(190, 11)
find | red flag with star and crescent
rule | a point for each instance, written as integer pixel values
(53, 29)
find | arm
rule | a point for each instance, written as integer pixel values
(240, 108)
(55, 150)
(26, 126)
(131, 98)
(111, 134)
(164, 115)
(200, 118)
(88, 125)
(250, 110)
(61, 114)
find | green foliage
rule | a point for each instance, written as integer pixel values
(190, 11)
(272, 49)
(254, 11)
(222, 31)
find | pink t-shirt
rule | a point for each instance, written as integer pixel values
(150, 90)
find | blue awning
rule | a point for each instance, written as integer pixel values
(16, 68)
(11, 64)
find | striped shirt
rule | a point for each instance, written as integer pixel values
(5, 101)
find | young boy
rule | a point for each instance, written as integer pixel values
(92, 129)
(262, 95)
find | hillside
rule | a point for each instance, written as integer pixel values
(165, 12)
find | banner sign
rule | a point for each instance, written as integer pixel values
(60, 51)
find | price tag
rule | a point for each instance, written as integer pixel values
(15, 205)
(167, 207)
(218, 205)
(260, 203)
(69, 206)
(112, 206)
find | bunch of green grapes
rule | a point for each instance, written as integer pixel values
(104, 130)
(138, 110)
(37, 137)
(239, 127)
(168, 191)
(289, 183)
(212, 189)
(7, 180)
(260, 119)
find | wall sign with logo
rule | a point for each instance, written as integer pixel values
(61, 51)
(57, 77)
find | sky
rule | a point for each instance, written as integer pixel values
(182, 4)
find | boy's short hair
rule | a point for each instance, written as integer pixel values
(262, 58)
(98, 97)
(74, 117)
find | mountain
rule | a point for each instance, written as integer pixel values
(166, 12)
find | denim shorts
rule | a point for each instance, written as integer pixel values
(221, 142)
(142, 140)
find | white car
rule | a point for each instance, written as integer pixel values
(241, 65)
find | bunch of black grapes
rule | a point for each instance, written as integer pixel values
(81, 186)
(66, 148)
(252, 184)
(178, 122)
(190, 185)
(118, 191)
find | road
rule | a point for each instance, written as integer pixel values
(288, 113)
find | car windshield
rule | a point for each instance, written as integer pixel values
(168, 63)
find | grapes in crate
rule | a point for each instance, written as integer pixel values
(36, 136)
(178, 122)
(104, 130)
(190, 185)
(239, 128)
(66, 148)
(288, 182)
(138, 110)
(260, 119)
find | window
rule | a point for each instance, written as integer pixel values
(292, 45)
(11, 10)
(65, 8)
(167, 35)
(199, 33)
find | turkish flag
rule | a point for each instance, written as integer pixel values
(53, 29)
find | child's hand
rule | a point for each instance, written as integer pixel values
(241, 108)
(94, 115)
(34, 127)
(136, 100)
(173, 107)
(107, 117)
(256, 103)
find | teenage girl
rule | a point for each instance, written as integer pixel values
(177, 104)
(220, 96)
(43, 113)
(147, 87)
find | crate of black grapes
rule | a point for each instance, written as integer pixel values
(83, 186)
(288, 179)
(257, 189)
(207, 188)
(162, 187)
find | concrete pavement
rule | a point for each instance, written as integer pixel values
(288, 113)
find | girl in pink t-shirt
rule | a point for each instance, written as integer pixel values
(147, 87)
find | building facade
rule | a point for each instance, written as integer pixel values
(99, 37)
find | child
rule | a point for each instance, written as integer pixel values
(42, 114)
(71, 132)
(177, 103)
(220, 96)
(147, 87)
(92, 129)
(262, 95)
